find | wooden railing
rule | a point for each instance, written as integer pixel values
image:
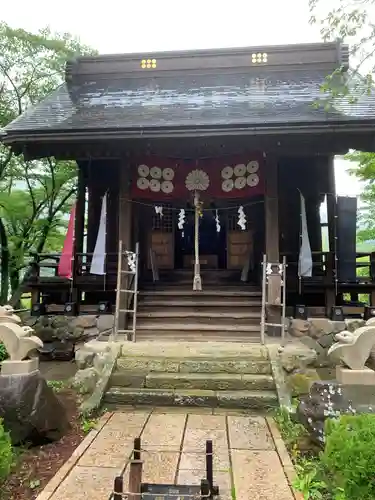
(46, 265)
(324, 267)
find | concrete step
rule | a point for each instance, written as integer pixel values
(201, 365)
(199, 398)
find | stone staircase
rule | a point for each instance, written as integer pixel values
(225, 310)
(203, 374)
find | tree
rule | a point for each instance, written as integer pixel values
(352, 21)
(364, 169)
(34, 196)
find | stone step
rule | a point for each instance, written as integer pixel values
(199, 398)
(165, 364)
(187, 302)
(207, 381)
(210, 381)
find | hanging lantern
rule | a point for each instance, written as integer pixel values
(241, 218)
(217, 220)
(181, 219)
(159, 211)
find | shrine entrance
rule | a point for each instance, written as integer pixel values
(212, 242)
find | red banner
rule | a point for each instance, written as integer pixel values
(228, 177)
(66, 260)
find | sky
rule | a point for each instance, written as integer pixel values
(116, 26)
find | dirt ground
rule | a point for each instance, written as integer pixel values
(36, 466)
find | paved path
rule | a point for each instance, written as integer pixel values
(250, 460)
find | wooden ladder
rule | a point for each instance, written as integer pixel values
(130, 288)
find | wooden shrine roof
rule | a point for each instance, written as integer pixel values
(264, 89)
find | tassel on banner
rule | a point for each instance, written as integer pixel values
(181, 219)
(217, 220)
(241, 218)
(159, 211)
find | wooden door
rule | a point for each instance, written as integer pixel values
(239, 243)
(161, 239)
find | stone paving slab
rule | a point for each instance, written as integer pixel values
(248, 455)
(258, 475)
(249, 433)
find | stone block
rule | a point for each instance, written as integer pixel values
(84, 359)
(319, 327)
(299, 327)
(224, 365)
(301, 382)
(346, 376)
(105, 322)
(9, 367)
(352, 324)
(85, 380)
(84, 321)
(194, 397)
(30, 409)
(326, 340)
(246, 399)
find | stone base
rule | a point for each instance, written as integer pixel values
(346, 376)
(9, 367)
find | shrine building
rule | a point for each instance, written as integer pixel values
(204, 159)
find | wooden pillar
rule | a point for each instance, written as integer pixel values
(330, 295)
(112, 223)
(272, 242)
(93, 215)
(79, 226)
(124, 234)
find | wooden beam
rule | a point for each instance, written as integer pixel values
(331, 217)
(79, 226)
(272, 242)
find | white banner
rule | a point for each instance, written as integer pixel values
(98, 259)
(305, 262)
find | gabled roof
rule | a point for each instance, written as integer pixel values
(258, 88)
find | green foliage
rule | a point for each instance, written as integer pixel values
(35, 196)
(309, 481)
(364, 169)
(88, 424)
(57, 385)
(6, 453)
(348, 457)
(3, 352)
(291, 432)
(353, 22)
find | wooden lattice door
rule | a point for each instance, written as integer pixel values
(239, 242)
(161, 238)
